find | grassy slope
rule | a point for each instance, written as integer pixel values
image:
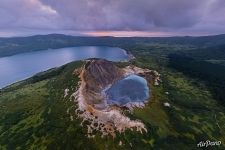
(33, 112)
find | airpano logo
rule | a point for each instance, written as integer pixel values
(209, 143)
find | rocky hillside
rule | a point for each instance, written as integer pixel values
(181, 113)
(98, 74)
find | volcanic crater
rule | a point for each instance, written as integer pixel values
(105, 90)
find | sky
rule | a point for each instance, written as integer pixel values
(112, 17)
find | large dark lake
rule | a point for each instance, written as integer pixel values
(22, 66)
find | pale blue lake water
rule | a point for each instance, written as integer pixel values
(132, 88)
(18, 67)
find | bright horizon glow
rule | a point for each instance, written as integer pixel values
(141, 34)
(128, 33)
(27, 32)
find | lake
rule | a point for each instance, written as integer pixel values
(18, 67)
(132, 88)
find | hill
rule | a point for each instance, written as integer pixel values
(185, 109)
(16, 45)
(34, 114)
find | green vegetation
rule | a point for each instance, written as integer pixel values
(16, 45)
(34, 113)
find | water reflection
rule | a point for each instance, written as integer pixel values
(18, 67)
(130, 89)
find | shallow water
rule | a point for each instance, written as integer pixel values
(132, 88)
(21, 66)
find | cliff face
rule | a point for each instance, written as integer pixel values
(97, 75)
(101, 73)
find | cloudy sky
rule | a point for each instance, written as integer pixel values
(112, 17)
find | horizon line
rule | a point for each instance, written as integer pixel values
(115, 36)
